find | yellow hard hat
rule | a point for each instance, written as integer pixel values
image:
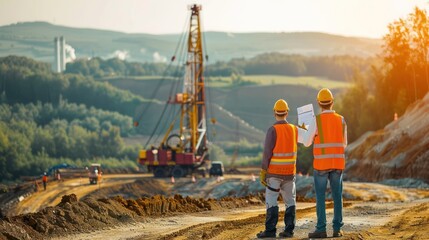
(325, 97)
(281, 106)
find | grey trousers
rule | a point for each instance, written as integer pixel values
(287, 190)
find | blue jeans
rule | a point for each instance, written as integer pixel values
(336, 182)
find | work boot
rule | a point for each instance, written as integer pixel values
(338, 233)
(317, 234)
(265, 234)
(286, 234)
(270, 223)
(289, 222)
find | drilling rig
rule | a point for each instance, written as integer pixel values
(183, 149)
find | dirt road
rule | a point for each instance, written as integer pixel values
(143, 185)
(79, 186)
(362, 220)
(111, 185)
(156, 228)
(135, 214)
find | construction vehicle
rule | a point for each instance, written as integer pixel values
(94, 173)
(183, 149)
(216, 169)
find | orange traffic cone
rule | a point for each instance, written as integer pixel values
(172, 179)
(253, 177)
(193, 179)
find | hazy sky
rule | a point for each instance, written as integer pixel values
(367, 18)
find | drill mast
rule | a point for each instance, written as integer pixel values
(193, 115)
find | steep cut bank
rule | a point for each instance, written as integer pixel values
(400, 150)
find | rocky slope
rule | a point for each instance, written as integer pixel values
(400, 150)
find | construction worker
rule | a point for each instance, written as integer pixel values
(279, 168)
(44, 180)
(329, 160)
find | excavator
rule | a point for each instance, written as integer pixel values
(183, 149)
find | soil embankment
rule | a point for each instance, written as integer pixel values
(73, 216)
(398, 151)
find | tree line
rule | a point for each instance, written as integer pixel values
(24, 80)
(390, 87)
(332, 67)
(99, 68)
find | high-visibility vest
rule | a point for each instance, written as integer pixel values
(283, 161)
(328, 148)
(45, 178)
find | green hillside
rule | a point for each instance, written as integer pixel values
(48, 118)
(314, 82)
(250, 102)
(35, 40)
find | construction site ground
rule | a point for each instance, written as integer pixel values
(138, 206)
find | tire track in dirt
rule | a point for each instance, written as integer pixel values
(235, 229)
(413, 223)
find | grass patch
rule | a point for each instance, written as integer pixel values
(227, 82)
(310, 81)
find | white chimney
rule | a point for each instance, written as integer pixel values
(59, 54)
(57, 64)
(62, 54)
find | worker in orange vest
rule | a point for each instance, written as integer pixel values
(278, 169)
(44, 180)
(329, 161)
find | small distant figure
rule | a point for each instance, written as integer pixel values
(59, 177)
(36, 186)
(44, 180)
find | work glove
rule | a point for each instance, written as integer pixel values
(262, 177)
(303, 126)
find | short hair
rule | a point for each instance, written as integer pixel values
(326, 106)
(281, 114)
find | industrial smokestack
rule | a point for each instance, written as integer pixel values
(62, 53)
(57, 65)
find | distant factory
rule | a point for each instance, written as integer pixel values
(60, 54)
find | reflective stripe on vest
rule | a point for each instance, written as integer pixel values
(283, 161)
(328, 146)
(325, 156)
(284, 154)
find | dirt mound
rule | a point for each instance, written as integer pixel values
(72, 216)
(159, 205)
(400, 150)
(146, 187)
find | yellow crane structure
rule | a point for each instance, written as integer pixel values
(182, 153)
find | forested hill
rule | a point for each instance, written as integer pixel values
(35, 40)
(24, 80)
(48, 118)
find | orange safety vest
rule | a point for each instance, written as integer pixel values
(328, 146)
(45, 179)
(283, 161)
